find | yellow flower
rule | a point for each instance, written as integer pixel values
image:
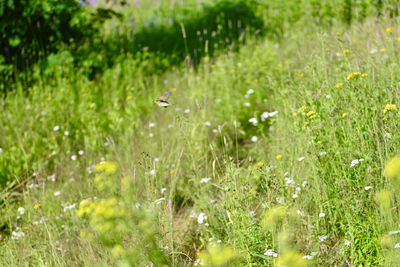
(364, 75)
(260, 164)
(353, 74)
(398, 39)
(108, 167)
(339, 85)
(250, 167)
(346, 51)
(383, 50)
(344, 115)
(294, 114)
(389, 107)
(392, 169)
(301, 75)
(37, 205)
(171, 172)
(291, 258)
(311, 114)
(389, 30)
(279, 156)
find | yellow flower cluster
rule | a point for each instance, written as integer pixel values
(389, 107)
(311, 114)
(353, 74)
(346, 51)
(101, 213)
(108, 167)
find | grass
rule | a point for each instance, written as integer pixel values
(310, 184)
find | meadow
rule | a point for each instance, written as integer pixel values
(281, 147)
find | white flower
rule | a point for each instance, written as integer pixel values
(156, 159)
(267, 115)
(21, 210)
(347, 242)
(298, 189)
(163, 190)
(270, 252)
(56, 194)
(322, 215)
(394, 232)
(397, 245)
(254, 139)
(73, 157)
(374, 51)
(304, 184)
(66, 133)
(80, 152)
(301, 159)
(205, 180)
(301, 213)
(201, 218)
(151, 125)
(246, 104)
(322, 153)
(207, 123)
(367, 188)
(16, 235)
(1, 150)
(218, 100)
(69, 207)
(328, 96)
(254, 121)
(151, 135)
(295, 196)
(249, 92)
(56, 128)
(355, 162)
(152, 172)
(308, 257)
(170, 126)
(322, 238)
(187, 111)
(137, 205)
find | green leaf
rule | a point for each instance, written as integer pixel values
(14, 41)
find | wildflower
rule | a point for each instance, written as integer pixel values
(322, 153)
(338, 85)
(36, 206)
(21, 210)
(171, 172)
(388, 30)
(301, 213)
(16, 235)
(387, 135)
(152, 172)
(163, 190)
(260, 164)
(73, 157)
(246, 104)
(279, 156)
(383, 49)
(151, 135)
(266, 115)
(108, 167)
(254, 139)
(373, 51)
(56, 194)
(69, 207)
(201, 218)
(398, 39)
(347, 242)
(248, 93)
(56, 128)
(389, 107)
(322, 215)
(270, 252)
(397, 245)
(80, 152)
(301, 159)
(394, 232)
(254, 121)
(294, 196)
(66, 133)
(353, 74)
(392, 170)
(291, 258)
(187, 111)
(207, 123)
(367, 188)
(344, 115)
(322, 238)
(205, 180)
(346, 51)
(355, 162)
(311, 114)
(364, 75)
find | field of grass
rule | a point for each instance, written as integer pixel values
(281, 153)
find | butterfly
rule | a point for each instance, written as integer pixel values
(162, 101)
